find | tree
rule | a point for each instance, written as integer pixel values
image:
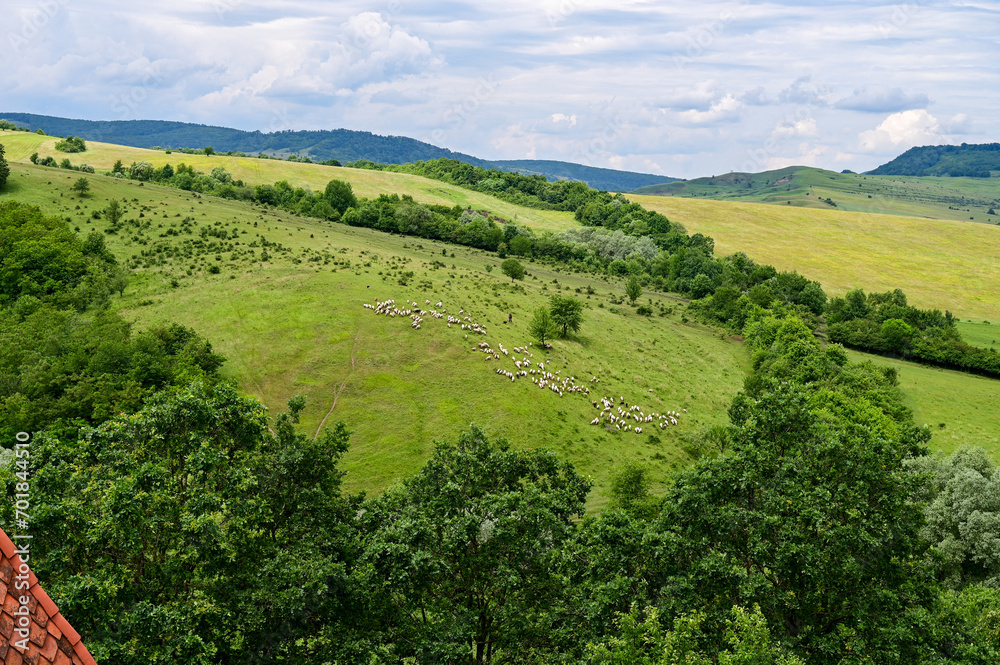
(644, 641)
(513, 269)
(465, 550)
(207, 524)
(963, 516)
(633, 289)
(812, 519)
(566, 312)
(114, 212)
(340, 195)
(119, 279)
(542, 327)
(897, 334)
(520, 245)
(4, 168)
(209, 150)
(81, 187)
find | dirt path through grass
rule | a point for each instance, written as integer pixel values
(340, 389)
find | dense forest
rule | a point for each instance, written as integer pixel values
(966, 160)
(182, 523)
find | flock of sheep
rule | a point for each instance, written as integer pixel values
(620, 420)
(626, 413)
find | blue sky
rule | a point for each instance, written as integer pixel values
(681, 89)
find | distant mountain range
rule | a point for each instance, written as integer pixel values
(344, 145)
(967, 160)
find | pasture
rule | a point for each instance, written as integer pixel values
(253, 171)
(296, 324)
(941, 264)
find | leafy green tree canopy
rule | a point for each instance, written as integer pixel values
(542, 327)
(340, 195)
(513, 269)
(633, 289)
(567, 312)
(81, 186)
(468, 545)
(4, 167)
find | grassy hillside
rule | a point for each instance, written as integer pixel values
(939, 264)
(102, 156)
(959, 408)
(964, 199)
(296, 324)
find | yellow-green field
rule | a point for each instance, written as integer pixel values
(941, 264)
(102, 156)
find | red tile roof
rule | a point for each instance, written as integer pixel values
(51, 640)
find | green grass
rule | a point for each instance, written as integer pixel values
(980, 334)
(940, 264)
(959, 408)
(960, 199)
(294, 326)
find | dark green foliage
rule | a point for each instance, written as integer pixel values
(885, 323)
(43, 258)
(71, 144)
(567, 313)
(813, 521)
(81, 187)
(975, 161)
(466, 551)
(90, 367)
(4, 167)
(188, 532)
(340, 195)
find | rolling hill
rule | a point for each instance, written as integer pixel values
(295, 324)
(966, 160)
(964, 199)
(344, 145)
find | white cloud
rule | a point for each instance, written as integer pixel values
(804, 127)
(617, 82)
(727, 109)
(902, 131)
(563, 118)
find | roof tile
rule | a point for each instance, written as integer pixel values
(52, 640)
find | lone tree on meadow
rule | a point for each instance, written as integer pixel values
(513, 269)
(566, 312)
(81, 187)
(114, 212)
(4, 169)
(542, 327)
(633, 289)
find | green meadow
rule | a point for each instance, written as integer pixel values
(295, 323)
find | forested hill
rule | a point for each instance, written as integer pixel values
(596, 178)
(966, 160)
(344, 145)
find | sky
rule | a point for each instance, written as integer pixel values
(671, 88)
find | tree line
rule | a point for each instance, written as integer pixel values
(884, 323)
